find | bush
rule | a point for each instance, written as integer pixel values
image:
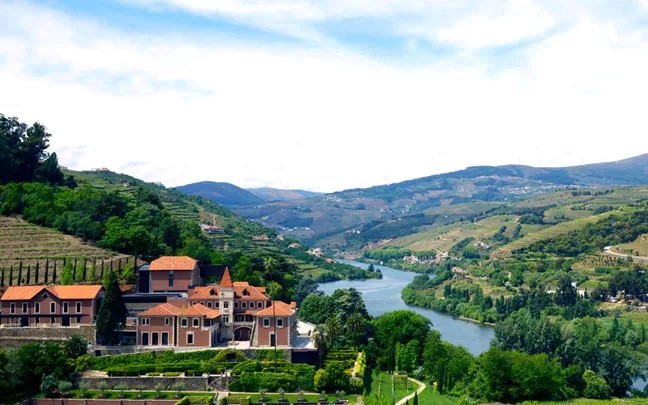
(249, 382)
(200, 399)
(49, 385)
(83, 363)
(229, 355)
(183, 401)
(172, 374)
(236, 399)
(595, 386)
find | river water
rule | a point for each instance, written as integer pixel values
(384, 295)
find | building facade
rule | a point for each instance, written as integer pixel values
(229, 311)
(173, 274)
(59, 306)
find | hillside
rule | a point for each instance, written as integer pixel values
(349, 220)
(225, 194)
(276, 194)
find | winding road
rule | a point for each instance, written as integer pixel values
(608, 251)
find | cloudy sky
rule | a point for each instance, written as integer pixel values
(327, 94)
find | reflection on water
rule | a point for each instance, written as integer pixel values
(384, 295)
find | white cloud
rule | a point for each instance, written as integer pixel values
(316, 117)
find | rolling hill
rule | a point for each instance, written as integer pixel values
(226, 194)
(351, 219)
(276, 194)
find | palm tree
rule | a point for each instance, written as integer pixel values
(355, 327)
(75, 346)
(333, 329)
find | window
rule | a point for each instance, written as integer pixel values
(52, 307)
(165, 338)
(243, 304)
(252, 304)
(78, 319)
(146, 321)
(166, 321)
(216, 304)
(236, 305)
(206, 323)
(66, 307)
(24, 307)
(184, 322)
(78, 307)
(190, 338)
(155, 338)
(45, 295)
(266, 322)
(225, 304)
(279, 322)
(171, 278)
(37, 307)
(209, 304)
(12, 308)
(259, 305)
(196, 322)
(225, 318)
(145, 338)
(52, 320)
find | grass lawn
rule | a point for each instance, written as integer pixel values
(381, 387)
(430, 396)
(632, 401)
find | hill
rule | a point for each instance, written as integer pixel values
(225, 194)
(277, 194)
(351, 219)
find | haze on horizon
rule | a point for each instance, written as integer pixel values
(326, 96)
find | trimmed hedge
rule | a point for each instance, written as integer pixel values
(255, 381)
(167, 357)
(236, 399)
(200, 399)
(188, 367)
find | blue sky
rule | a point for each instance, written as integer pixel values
(326, 95)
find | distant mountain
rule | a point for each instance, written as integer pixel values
(225, 194)
(394, 210)
(277, 194)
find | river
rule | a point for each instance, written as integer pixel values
(384, 295)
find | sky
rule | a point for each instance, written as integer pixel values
(330, 94)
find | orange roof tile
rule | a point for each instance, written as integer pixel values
(209, 292)
(63, 292)
(176, 263)
(165, 309)
(201, 310)
(243, 289)
(280, 309)
(21, 292)
(226, 281)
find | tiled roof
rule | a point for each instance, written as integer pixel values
(280, 309)
(165, 309)
(226, 281)
(168, 309)
(63, 292)
(201, 310)
(209, 292)
(176, 263)
(254, 293)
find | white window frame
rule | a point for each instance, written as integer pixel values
(167, 322)
(259, 304)
(66, 307)
(37, 307)
(146, 321)
(148, 338)
(193, 340)
(184, 322)
(251, 304)
(12, 308)
(162, 339)
(225, 318)
(25, 307)
(278, 321)
(78, 307)
(52, 307)
(236, 304)
(195, 322)
(266, 322)
(243, 304)
(209, 304)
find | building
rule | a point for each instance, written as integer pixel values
(214, 314)
(60, 305)
(173, 274)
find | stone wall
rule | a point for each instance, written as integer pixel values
(191, 383)
(15, 337)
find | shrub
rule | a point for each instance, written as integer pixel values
(236, 399)
(183, 401)
(83, 363)
(595, 386)
(49, 385)
(65, 387)
(229, 355)
(200, 399)
(171, 374)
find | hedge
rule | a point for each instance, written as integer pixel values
(166, 357)
(236, 399)
(200, 399)
(183, 401)
(189, 367)
(255, 381)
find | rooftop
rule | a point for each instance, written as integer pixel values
(176, 263)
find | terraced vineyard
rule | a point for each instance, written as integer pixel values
(22, 242)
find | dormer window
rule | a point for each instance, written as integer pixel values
(245, 292)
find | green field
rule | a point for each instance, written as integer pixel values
(382, 388)
(631, 401)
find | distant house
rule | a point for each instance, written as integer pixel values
(173, 274)
(316, 252)
(211, 229)
(294, 245)
(60, 305)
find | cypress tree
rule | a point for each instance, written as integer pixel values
(36, 271)
(19, 272)
(415, 402)
(1, 277)
(112, 311)
(28, 274)
(102, 268)
(54, 273)
(67, 274)
(85, 269)
(74, 269)
(11, 275)
(46, 270)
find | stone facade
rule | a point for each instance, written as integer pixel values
(16, 337)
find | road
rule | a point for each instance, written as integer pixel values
(608, 251)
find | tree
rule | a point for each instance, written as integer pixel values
(565, 292)
(112, 311)
(595, 386)
(321, 379)
(49, 385)
(49, 171)
(65, 387)
(66, 274)
(333, 330)
(75, 346)
(415, 402)
(355, 328)
(305, 286)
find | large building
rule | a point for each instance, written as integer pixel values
(173, 274)
(59, 305)
(219, 313)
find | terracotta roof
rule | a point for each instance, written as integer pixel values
(226, 281)
(168, 309)
(209, 292)
(176, 263)
(280, 309)
(63, 292)
(254, 293)
(165, 309)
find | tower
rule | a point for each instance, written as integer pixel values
(226, 305)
